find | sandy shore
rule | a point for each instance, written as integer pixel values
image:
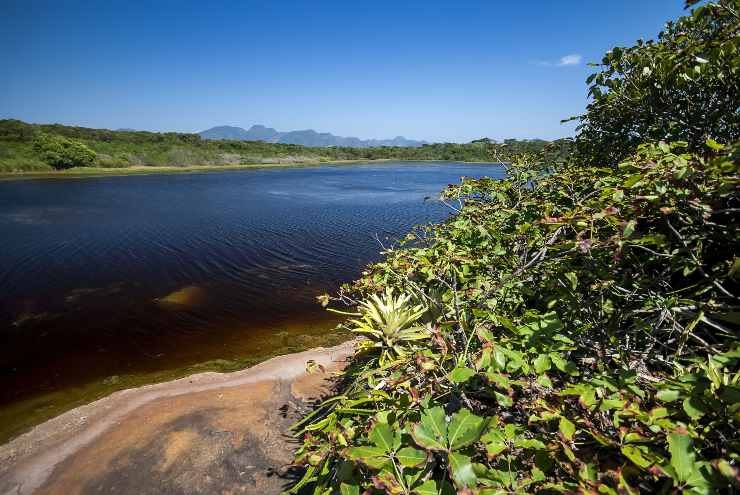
(207, 433)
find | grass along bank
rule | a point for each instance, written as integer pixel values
(91, 172)
(82, 172)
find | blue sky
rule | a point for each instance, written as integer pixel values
(441, 71)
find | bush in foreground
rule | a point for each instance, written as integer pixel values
(574, 327)
(574, 331)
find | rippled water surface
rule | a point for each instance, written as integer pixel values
(108, 277)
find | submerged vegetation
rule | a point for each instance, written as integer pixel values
(573, 327)
(30, 147)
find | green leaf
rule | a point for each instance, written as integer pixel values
(633, 437)
(714, 145)
(499, 380)
(485, 358)
(544, 380)
(588, 472)
(636, 454)
(529, 443)
(386, 416)
(385, 480)
(694, 407)
(461, 470)
(542, 363)
(563, 364)
(382, 435)
(429, 487)
(702, 478)
(668, 395)
(495, 442)
(412, 475)
(511, 430)
(461, 375)
(308, 477)
(411, 457)
(349, 489)
(567, 428)
(499, 359)
(515, 360)
(629, 229)
(726, 469)
(464, 429)
(503, 400)
(431, 432)
(632, 180)
(609, 404)
(372, 457)
(683, 456)
(573, 279)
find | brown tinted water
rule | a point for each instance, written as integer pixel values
(107, 283)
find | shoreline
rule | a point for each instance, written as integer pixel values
(96, 172)
(20, 416)
(28, 461)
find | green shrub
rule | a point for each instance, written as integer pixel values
(683, 87)
(61, 152)
(572, 328)
(578, 333)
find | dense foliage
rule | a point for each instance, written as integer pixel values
(572, 328)
(139, 148)
(565, 331)
(61, 152)
(683, 86)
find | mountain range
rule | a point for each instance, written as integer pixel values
(307, 137)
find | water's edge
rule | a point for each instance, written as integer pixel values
(29, 460)
(21, 417)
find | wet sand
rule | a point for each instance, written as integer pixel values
(207, 433)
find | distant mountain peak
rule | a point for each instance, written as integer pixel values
(305, 137)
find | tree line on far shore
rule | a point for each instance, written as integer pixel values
(38, 147)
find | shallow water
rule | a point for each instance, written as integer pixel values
(106, 282)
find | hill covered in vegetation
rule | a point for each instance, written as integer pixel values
(31, 147)
(574, 327)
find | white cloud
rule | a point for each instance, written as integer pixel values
(564, 61)
(572, 59)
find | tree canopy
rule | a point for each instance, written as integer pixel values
(684, 86)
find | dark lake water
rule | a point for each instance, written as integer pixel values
(105, 279)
